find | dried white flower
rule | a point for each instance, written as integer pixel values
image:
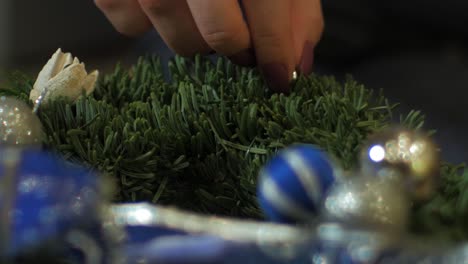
(63, 75)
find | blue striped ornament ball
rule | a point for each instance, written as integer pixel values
(294, 183)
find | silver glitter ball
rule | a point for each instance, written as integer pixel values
(18, 125)
(368, 203)
(405, 155)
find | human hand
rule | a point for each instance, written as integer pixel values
(278, 35)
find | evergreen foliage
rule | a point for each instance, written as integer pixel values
(198, 140)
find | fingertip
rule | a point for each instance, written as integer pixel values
(156, 7)
(277, 72)
(306, 62)
(245, 58)
(131, 30)
(176, 26)
(270, 25)
(276, 76)
(224, 29)
(307, 32)
(126, 17)
(105, 5)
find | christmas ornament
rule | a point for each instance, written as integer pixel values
(337, 243)
(368, 203)
(51, 201)
(167, 249)
(62, 76)
(168, 235)
(293, 184)
(19, 126)
(159, 234)
(406, 155)
(161, 220)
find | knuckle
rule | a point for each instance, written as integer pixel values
(155, 6)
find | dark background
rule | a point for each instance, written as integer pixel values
(415, 50)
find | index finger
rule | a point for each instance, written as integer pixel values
(270, 27)
(125, 15)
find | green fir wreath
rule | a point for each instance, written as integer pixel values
(198, 140)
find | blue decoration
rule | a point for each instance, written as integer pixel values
(48, 199)
(54, 208)
(168, 249)
(293, 184)
(179, 249)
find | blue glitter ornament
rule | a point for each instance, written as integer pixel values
(293, 184)
(46, 199)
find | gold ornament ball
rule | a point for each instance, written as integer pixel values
(19, 126)
(405, 155)
(368, 203)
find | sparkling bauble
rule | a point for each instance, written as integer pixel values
(18, 125)
(404, 155)
(368, 203)
(293, 184)
(50, 199)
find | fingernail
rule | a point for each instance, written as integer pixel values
(244, 58)
(307, 58)
(276, 77)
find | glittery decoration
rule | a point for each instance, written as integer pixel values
(368, 203)
(293, 184)
(53, 200)
(18, 125)
(179, 222)
(159, 234)
(406, 155)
